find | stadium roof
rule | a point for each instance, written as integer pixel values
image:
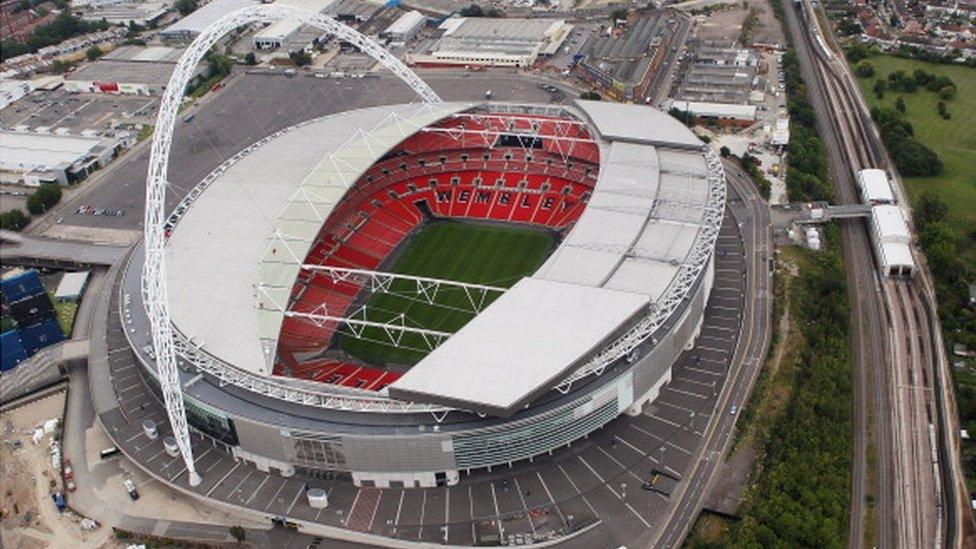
(623, 254)
(240, 247)
(243, 240)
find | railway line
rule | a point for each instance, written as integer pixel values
(916, 468)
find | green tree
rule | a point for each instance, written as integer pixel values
(900, 104)
(300, 58)
(724, 151)
(60, 67)
(619, 14)
(46, 196)
(93, 53)
(238, 533)
(14, 220)
(591, 95)
(879, 88)
(250, 59)
(930, 209)
(947, 92)
(24, 5)
(864, 69)
(186, 7)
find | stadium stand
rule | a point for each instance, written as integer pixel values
(508, 169)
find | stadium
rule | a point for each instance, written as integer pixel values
(403, 294)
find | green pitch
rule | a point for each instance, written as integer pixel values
(479, 254)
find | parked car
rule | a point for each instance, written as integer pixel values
(130, 487)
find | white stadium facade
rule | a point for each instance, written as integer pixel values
(235, 292)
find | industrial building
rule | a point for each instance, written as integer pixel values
(624, 65)
(719, 113)
(493, 42)
(189, 27)
(34, 158)
(128, 70)
(720, 73)
(144, 14)
(12, 90)
(276, 34)
(405, 27)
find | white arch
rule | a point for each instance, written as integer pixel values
(154, 270)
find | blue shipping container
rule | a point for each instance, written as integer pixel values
(12, 351)
(24, 285)
(38, 336)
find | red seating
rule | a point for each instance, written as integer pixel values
(459, 173)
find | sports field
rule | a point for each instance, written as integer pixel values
(479, 254)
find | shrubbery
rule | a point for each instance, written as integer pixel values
(911, 157)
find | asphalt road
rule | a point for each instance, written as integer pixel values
(755, 227)
(252, 106)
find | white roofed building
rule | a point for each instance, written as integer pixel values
(276, 34)
(892, 241)
(488, 41)
(33, 158)
(875, 186)
(189, 27)
(405, 27)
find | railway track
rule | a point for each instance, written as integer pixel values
(915, 472)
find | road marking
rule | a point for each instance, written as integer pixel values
(423, 511)
(275, 496)
(396, 521)
(696, 382)
(266, 477)
(212, 465)
(682, 408)
(216, 484)
(238, 487)
(638, 515)
(552, 499)
(518, 488)
(683, 392)
(577, 490)
(353, 506)
(295, 500)
(699, 370)
(621, 465)
(494, 499)
(447, 511)
(668, 442)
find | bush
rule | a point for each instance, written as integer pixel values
(93, 53)
(947, 92)
(185, 7)
(900, 104)
(590, 95)
(864, 69)
(46, 196)
(250, 58)
(911, 157)
(238, 533)
(14, 220)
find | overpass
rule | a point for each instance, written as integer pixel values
(32, 251)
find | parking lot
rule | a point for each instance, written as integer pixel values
(76, 112)
(600, 477)
(253, 106)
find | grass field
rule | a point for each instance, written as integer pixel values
(954, 140)
(480, 254)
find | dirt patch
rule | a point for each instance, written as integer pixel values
(724, 24)
(29, 478)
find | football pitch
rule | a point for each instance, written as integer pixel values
(463, 252)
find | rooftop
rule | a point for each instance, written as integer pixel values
(194, 23)
(22, 151)
(130, 72)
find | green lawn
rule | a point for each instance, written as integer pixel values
(495, 256)
(954, 140)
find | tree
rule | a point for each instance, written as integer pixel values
(186, 7)
(864, 69)
(879, 88)
(947, 92)
(218, 64)
(46, 196)
(250, 59)
(93, 53)
(724, 151)
(900, 104)
(14, 220)
(941, 105)
(238, 533)
(590, 95)
(619, 14)
(930, 209)
(300, 58)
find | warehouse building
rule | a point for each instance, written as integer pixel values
(624, 65)
(278, 33)
(719, 113)
(12, 90)
(144, 14)
(34, 158)
(192, 25)
(129, 70)
(404, 28)
(493, 42)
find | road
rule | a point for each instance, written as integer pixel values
(917, 471)
(755, 227)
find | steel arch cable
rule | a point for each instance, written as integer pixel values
(154, 286)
